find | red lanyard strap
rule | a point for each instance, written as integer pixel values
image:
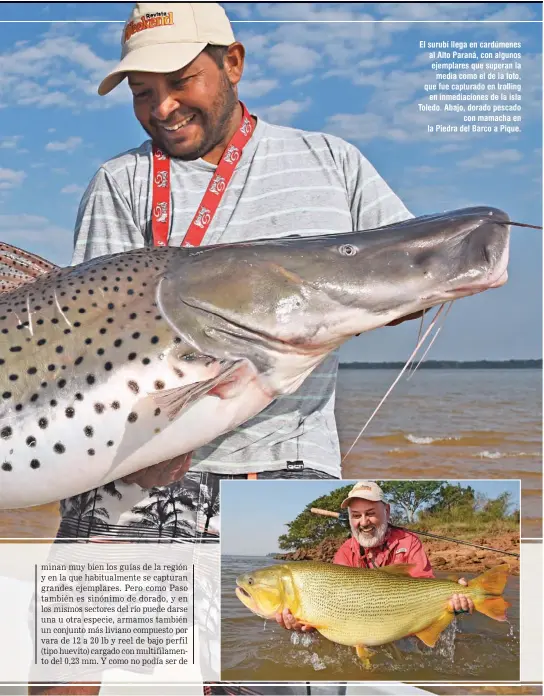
(160, 220)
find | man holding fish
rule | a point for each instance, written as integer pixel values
(183, 66)
(375, 543)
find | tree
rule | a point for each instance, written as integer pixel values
(308, 529)
(454, 497)
(497, 509)
(409, 496)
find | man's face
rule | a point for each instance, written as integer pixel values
(368, 521)
(187, 112)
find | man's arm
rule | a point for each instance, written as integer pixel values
(106, 222)
(417, 557)
(459, 602)
(342, 557)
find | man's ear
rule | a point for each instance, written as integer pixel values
(234, 62)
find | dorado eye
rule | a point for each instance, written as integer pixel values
(250, 581)
(348, 250)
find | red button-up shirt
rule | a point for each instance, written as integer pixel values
(399, 546)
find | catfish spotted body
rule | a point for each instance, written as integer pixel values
(129, 360)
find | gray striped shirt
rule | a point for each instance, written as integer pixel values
(288, 181)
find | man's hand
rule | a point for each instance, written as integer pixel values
(460, 603)
(161, 474)
(415, 315)
(287, 620)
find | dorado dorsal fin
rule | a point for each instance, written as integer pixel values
(18, 267)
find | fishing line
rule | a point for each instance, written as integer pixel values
(420, 343)
(432, 341)
(343, 517)
(421, 325)
(458, 541)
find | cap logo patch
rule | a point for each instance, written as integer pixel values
(148, 21)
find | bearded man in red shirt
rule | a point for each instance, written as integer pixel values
(375, 543)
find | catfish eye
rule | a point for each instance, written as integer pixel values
(347, 250)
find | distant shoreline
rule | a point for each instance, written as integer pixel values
(448, 365)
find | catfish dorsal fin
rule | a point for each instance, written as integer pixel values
(18, 267)
(398, 569)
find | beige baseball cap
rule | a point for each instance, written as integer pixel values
(164, 37)
(367, 490)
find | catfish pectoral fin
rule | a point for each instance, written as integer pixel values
(174, 401)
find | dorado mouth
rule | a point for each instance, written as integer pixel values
(240, 590)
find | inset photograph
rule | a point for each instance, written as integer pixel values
(370, 580)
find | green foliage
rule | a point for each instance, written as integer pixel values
(434, 506)
(454, 497)
(497, 509)
(407, 497)
(308, 529)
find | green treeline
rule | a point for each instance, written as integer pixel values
(432, 506)
(448, 365)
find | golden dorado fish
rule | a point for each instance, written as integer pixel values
(364, 607)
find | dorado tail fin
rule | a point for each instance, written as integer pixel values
(489, 587)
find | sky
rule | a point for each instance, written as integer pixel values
(307, 67)
(254, 513)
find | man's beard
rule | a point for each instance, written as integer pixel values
(370, 539)
(214, 123)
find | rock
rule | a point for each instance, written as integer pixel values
(439, 561)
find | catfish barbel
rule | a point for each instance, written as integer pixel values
(132, 359)
(364, 607)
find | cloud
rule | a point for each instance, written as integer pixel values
(284, 113)
(488, 159)
(10, 141)
(68, 145)
(9, 178)
(39, 235)
(364, 127)
(59, 170)
(450, 147)
(302, 80)
(291, 58)
(72, 188)
(111, 35)
(52, 72)
(423, 169)
(253, 89)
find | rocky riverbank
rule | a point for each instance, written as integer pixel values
(444, 555)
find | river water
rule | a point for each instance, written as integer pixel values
(440, 424)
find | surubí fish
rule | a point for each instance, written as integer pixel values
(128, 360)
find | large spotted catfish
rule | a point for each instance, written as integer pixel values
(128, 360)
